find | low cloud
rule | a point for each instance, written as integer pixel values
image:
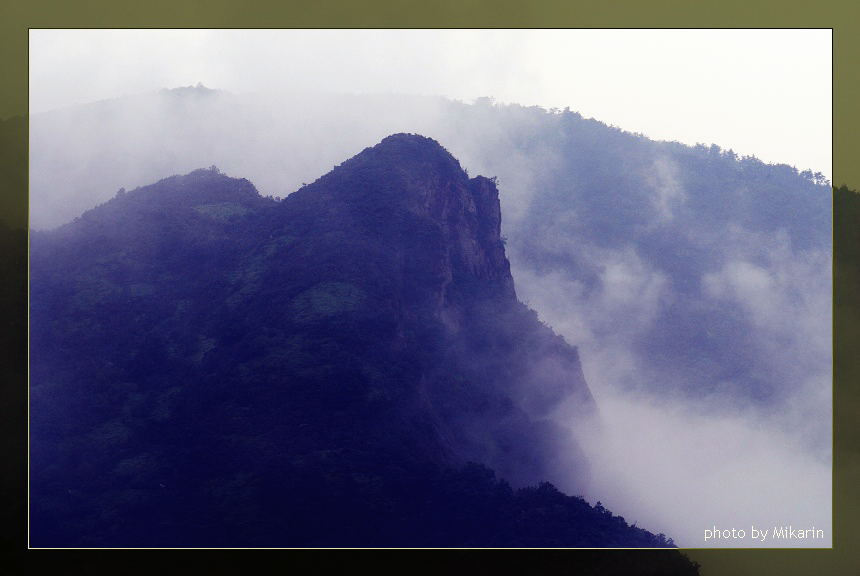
(681, 463)
(678, 468)
(604, 318)
(665, 183)
(787, 298)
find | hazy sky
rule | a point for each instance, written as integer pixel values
(761, 92)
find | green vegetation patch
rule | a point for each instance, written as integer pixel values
(249, 278)
(221, 211)
(325, 300)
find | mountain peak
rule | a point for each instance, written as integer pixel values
(409, 191)
(411, 155)
(203, 184)
(416, 142)
(194, 90)
(205, 197)
(186, 190)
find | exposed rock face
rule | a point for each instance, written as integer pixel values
(412, 210)
(413, 195)
(467, 212)
(201, 348)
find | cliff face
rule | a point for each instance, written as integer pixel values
(424, 244)
(414, 200)
(221, 361)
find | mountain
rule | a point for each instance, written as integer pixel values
(667, 263)
(349, 366)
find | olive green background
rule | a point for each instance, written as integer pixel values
(17, 16)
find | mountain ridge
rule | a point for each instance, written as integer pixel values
(316, 371)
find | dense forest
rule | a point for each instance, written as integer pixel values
(346, 367)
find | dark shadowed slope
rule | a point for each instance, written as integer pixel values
(210, 367)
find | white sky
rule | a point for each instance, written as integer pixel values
(760, 92)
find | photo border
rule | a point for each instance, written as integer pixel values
(17, 17)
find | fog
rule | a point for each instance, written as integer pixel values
(700, 303)
(680, 464)
(762, 92)
(681, 468)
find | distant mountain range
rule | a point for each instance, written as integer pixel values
(348, 366)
